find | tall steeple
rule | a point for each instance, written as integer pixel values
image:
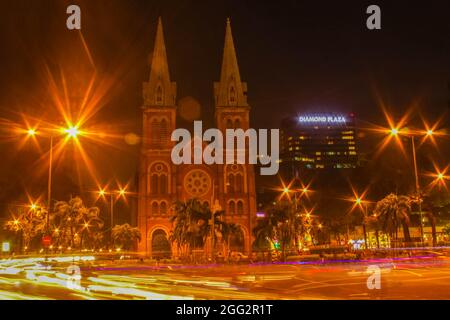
(230, 91)
(159, 90)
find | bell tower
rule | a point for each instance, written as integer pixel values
(237, 188)
(157, 189)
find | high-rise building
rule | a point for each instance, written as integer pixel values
(318, 141)
(161, 182)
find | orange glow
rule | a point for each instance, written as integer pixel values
(72, 131)
(122, 192)
(31, 132)
(394, 131)
(439, 177)
(357, 200)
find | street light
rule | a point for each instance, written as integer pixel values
(394, 131)
(71, 132)
(33, 207)
(102, 192)
(428, 133)
(31, 132)
(360, 203)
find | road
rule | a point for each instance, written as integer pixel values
(89, 277)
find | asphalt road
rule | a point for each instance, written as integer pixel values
(89, 278)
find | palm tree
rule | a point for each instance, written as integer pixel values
(192, 228)
(190, 220)
(30, 223)
(75, 222)
(392, 212)
(125, 235)
(282, 224)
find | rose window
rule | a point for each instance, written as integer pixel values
(197, 183)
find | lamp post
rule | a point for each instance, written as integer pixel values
(396, 132)
(103, 193)
(49, 185)
(416, 174)
(359, 202)
(71, 132)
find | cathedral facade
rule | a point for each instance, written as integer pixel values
(161, 183)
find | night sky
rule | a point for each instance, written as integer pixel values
(295, 56)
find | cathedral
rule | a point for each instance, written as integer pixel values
(161, 183)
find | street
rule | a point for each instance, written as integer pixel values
(87, 277)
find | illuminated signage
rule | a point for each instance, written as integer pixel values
(319, 118)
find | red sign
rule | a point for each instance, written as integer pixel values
(46, 241)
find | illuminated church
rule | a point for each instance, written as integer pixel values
(161, 182)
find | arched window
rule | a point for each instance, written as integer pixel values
(159, 183)
(159, 95)
(163, 208)
(155, 208)
(154, 184)
(231, 183)
(239, 183)
(240, 208)
(237, 124)
(229, 124)
(231, 208)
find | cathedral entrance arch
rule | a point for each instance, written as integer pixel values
(161, 247)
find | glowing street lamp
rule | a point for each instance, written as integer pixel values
(428, 133)
(72, 131)
(358, 201)
(31, 132)
(394, 131)
(122, 192)
(102, 193)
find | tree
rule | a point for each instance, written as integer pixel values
(125, 235)
(73, 223)
(31, 224)
(282, 225)
(192, 228)
(392, 212)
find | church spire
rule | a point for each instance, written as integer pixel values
(230, 91)
(159, 90)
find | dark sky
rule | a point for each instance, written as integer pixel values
(295, 55)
